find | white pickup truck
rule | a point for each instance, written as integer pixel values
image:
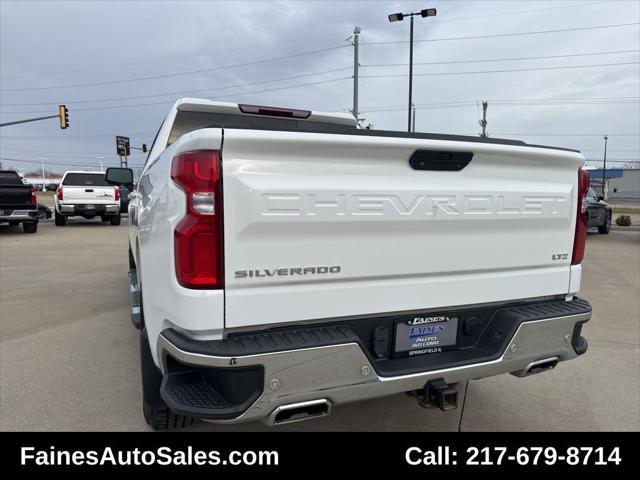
(285, 261)
(86, 194)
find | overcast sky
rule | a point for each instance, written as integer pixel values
(118, 66)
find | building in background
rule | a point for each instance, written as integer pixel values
(622, 184)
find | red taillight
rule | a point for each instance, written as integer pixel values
(198, 236)
(59, 193)
(580, 238)
(117, 194)
(34, 199)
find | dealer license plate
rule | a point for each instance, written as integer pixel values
(419, 335)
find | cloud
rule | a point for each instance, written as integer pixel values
(57, 43)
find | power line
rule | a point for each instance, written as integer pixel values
(520, 12)
(395, 75)
(518, 100)
(502, 59)
(499, 35)
(78, 135)
(611, 150)
(572, 134)
(249, 47)
(177, 74)
(112, 107)
(57, 153)
(47, 162)
(167, 59)
(529, 102)
(612, 161)
(312, 74)
(292, 77)
(182, 92)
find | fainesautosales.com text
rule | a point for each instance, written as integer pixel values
(146, 457)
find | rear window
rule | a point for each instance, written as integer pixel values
(10, 178)
(187, 121)
(86, 179)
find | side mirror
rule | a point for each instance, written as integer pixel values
(600, 198)
(119, 176)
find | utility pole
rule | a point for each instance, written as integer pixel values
(356, 66)
(483, 122)
(604, 167)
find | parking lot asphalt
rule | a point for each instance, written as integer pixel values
(69, 354)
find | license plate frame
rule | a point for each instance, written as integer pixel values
(422, 335)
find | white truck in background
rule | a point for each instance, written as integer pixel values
(285, 261)
(87, 195)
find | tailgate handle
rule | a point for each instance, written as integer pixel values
(440, 160)
(88, 190)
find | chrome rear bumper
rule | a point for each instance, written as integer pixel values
(99, 207)
(343, 373)
(20, 215)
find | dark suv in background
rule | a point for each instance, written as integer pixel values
(598, 212)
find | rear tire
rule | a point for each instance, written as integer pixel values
(60, 220)
(115, 219)
(606, 228)
(156, 413)
(30, 227)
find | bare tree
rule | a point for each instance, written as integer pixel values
(633, 165)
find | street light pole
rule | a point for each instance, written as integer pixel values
(396, 17)
(44, 188)
(604, 166)
(410, 71)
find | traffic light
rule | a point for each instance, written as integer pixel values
(64, 116)
(144, 148)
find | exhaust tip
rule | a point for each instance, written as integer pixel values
(299, 412)
(539, 366)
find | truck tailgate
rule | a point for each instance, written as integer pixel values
(88, 195)
(322, 225)
(15, 195)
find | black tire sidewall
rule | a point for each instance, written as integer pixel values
(151, 376)
(60, 220)
(30, 227)
(606, 228)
